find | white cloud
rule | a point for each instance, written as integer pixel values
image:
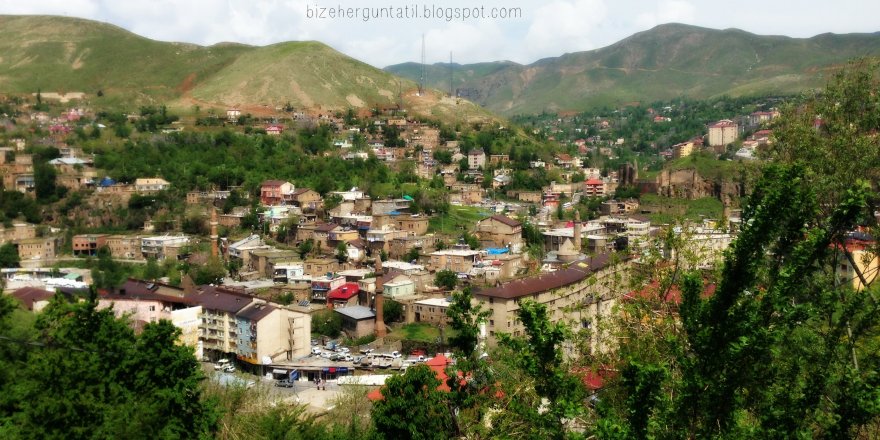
(545, 29)
(667, 11)
(563, 26)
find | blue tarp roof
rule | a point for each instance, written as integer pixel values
(107, 182)
(497, 251)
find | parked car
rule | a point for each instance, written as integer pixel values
(224, 365)
(343, 350)
(347, 357)
(316, 350)
(366, 350)
(395, 354)
(285, 383)
(326, 354)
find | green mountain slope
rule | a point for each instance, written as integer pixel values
(62, 55)
(306, 74)
(665, 62)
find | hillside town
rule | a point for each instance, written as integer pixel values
(672, 267)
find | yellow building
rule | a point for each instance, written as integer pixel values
(581, 295)
(866, 262)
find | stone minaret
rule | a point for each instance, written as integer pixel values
(214, 250)
(380, 301)
(577, 230)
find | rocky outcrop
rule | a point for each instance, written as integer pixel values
(688, 184)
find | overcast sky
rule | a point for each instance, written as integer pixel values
(541, 29)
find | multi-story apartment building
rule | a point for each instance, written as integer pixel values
(722, 132)
(581, 295)
(125, 246)
(163, 246)
(219, 326)
(88, 244)
(265, 334)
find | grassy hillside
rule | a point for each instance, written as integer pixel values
(306, 74)
(57, 54)
(62, 55)
(665, 62)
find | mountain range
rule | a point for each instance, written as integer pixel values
(666, 62)
(61, 54)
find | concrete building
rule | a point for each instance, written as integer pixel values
(38, 248)
(125, 246)
(345, 295)
(582, 294)
(457, 260)
(357, 321)
(289, 273)
(722, 133)
(399, 286)
(88, 244)
(150, 185)
(476, 159)
(683, 149)
(594, 188)
(275, 192)
(218, 330)
(163, 246)
(324, 284)
(144, 302)
(266, 334)
(18, 231)
(432, 310)
(501, 232)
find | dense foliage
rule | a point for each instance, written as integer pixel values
(78, 372)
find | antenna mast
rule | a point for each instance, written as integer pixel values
(424, 76)
(451, 84)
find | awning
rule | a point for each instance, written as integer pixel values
(277, 371)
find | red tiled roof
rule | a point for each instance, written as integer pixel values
(255, 312)
(29, 295)
(220, 298)
(652, 292)
(593, 182)
(274, 183)
(722, 123)
(344, 292)
(326, 227)
(545, 282)
(506, 220)
(437, 364)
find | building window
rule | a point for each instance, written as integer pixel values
(152, 308)
(492, 322)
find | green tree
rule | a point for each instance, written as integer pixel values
(305, 248)
(9, 255)
(561, 395)
(392, 311)
(412, 407)
(446, 279)
(107, 274)
(92, 376)
(341, 252)
(211, 273)
(152, 271)
(327, 323)
(412, 254)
